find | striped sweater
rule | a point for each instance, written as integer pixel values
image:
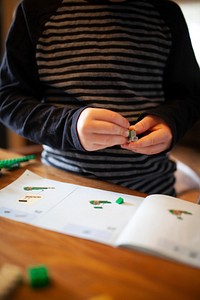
(101, 54)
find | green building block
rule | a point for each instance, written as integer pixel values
(38, 276)
(17, 159)
(120, 200)
(14, 163)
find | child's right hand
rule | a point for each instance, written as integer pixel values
(101, 128)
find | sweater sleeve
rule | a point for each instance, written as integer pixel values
(21, 94)
(182, 76)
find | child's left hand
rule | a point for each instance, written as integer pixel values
(157, 136)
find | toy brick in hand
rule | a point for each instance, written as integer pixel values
(132, 136)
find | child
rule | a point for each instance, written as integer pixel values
(77, 75)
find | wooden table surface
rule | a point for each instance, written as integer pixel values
(81, 269)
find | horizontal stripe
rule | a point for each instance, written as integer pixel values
(113, 56)
(84, 50)
(143, 176)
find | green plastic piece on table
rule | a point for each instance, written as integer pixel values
(13, 163)
(38, 276)
(120, 200)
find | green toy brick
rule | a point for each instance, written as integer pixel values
(120, 200)
(38, 276)
(14, 163)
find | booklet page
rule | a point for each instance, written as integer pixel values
(168, 226)
(70, 209)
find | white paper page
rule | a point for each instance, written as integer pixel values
(66, 208)
(167, 225)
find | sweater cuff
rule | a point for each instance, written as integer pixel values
(74, 133)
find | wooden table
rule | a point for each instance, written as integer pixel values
(81, 269)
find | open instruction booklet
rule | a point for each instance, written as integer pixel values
(158, 224)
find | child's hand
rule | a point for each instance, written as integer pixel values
(157, 136)
(101, 128)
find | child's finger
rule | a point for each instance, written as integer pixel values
(144, 125)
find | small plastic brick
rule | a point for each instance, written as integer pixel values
(10, 278)
(132, 136)
(120, 200)
(38, 276)
(14, 163)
